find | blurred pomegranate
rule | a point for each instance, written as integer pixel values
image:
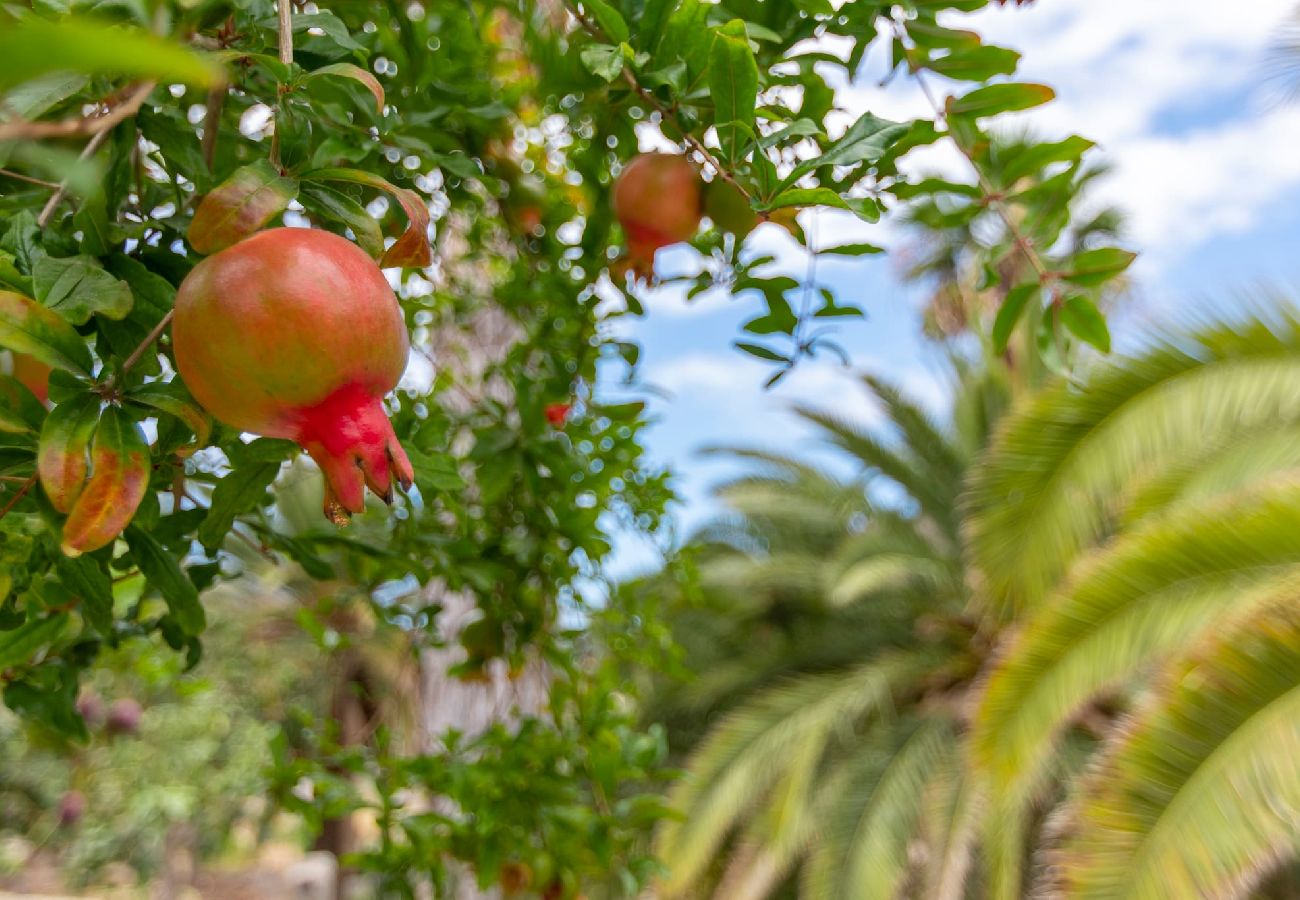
(72, 806)
(294, 333)
(91, 708)
(657, 201)
(124, 716)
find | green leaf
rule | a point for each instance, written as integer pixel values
(1000, 98)
(603, 60)
(930, 36)
(89, 583)
(610, 20)
(35, 46)
(412, 249)
(77, 287)
(1033, 158)
(241, 491)
(337, 206)
(20, 410)
(1013, 306)
(335, 35)
(91, 219)
(780, 318)
(22, 240)
(17, 646)
(851, 250)
(864, 207)
(976, 63)
(1095, 267)
(761, 352)
(173, 398)
(1081, 316)
(356, 73)
(240, 206)
(28, 327)
(163, 572)
(733, 85)
(866, 140)
(654, 19)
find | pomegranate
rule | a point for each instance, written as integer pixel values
(124, 716)
(657, 201)
(557, 413)
(72, 806)
(294, 333)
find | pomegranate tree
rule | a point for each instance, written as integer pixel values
(657, 201)
(294, 333)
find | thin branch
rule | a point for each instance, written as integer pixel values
(212, 123)
(18, 176)
(129, 106)
(285, 9)
(286, 31)
(992, 197)
(22, 491)
(148, 341)
(56, 198)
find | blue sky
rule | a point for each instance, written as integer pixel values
(1206, 165)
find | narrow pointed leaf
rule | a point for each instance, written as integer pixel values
(164, 572)
(1000, 98)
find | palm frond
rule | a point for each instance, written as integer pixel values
(863, 851)
(897, 464)
(1046, 490)
(1199, 796)
(746, 755)
(1132, 604)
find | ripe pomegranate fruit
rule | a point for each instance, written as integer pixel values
(294, 333)
(657, 201)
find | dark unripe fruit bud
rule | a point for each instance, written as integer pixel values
(657, 201)
(72, 806)
(91, 709)
(124, 716)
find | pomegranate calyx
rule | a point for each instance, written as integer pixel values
(350, 438)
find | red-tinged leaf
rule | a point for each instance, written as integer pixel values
(356, 73)
(240, 206)
(412, 249)
(1000, 98)
(119, 478)
(62, 460)
(21, 411)
(28, 327)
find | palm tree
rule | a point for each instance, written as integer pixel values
(1101, 694)
(840, 608)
